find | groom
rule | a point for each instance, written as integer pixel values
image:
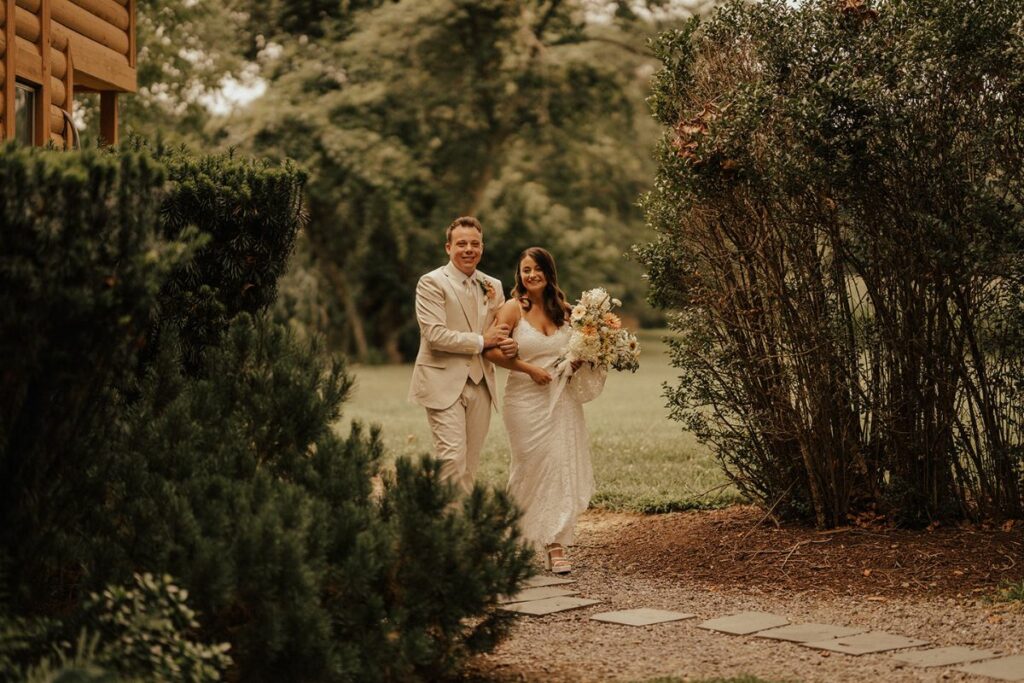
(455, 309)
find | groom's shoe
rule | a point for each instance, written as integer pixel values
(555, 560)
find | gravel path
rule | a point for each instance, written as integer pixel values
(570, 647)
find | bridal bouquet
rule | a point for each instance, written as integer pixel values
(598, 340)
(597, 335)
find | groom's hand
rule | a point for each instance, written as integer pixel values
(494, 335)
(509, 347)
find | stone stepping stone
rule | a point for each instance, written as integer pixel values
(641, 617)
(549, 606)
(538, 593)
(538, 581)
(809, 633)
(944, 656)
(866, 643)
(1003, 669)
(744, 623)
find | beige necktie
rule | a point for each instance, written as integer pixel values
(476, 366)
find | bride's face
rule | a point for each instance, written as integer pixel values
(531, 275)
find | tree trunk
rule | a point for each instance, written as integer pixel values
(353, 319)
(476, 192)
(391, 349)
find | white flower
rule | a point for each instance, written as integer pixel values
(594, 339)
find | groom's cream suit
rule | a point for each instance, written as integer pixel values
(451, 378)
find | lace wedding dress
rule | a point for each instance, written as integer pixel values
(550, 476)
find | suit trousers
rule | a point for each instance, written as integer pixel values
(459, 432)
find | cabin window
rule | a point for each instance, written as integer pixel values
(24, 114)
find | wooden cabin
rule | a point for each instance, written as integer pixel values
(51, 49)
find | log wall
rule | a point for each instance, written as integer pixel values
(7, 30)
(58, 45)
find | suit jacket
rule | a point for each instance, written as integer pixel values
(450, 321)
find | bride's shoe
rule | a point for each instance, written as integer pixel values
(555, 560)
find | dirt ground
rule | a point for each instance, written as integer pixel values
(935, 585)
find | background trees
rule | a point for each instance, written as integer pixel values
(407, 114)
(840, 211)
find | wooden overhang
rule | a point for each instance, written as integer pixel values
(59, 47)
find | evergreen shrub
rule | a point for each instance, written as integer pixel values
(81, 267)
(248, 211)
(207, 451)
(269, 517)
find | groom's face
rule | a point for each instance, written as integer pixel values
(465, 248)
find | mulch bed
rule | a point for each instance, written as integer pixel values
(739, 547)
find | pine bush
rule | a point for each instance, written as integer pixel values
(157, 420)
(248, 212)
(268, 516)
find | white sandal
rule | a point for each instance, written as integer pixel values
(556, 563)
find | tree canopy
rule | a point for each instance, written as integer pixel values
(529, 114)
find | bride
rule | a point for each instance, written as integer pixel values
(550, 477)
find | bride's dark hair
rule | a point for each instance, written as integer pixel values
(555, 304)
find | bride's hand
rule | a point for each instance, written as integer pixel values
(539, 375)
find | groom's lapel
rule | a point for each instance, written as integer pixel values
(481, 301)
(465, 301)
(481, 310)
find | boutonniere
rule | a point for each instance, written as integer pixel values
(487, 289)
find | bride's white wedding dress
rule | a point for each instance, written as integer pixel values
(550, 476)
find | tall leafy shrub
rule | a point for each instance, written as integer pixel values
(840, 212)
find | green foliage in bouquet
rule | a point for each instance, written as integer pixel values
(841, 221)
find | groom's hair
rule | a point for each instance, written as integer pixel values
(463, 222)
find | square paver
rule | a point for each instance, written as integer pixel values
(809, 633)
(1003, 669)
(538, 593)
(944, 656)
(538, 581)
(549, 606)
(745, 623)
(865, 643)
(641, 617)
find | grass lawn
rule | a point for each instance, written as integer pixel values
(642, 460)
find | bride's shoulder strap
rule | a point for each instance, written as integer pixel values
(511, 312)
